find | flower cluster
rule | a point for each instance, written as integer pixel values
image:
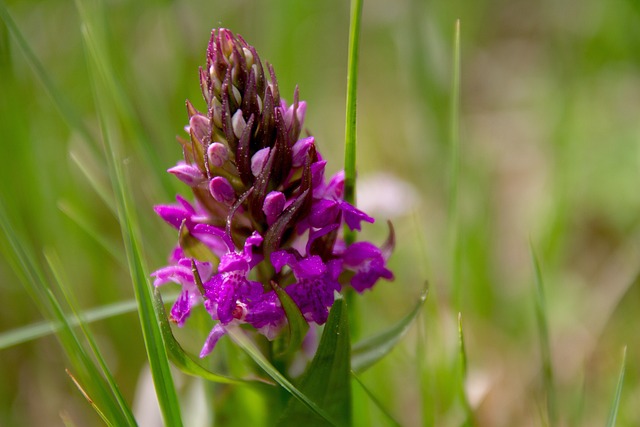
(264, 214)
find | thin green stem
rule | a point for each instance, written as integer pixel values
(352, 94)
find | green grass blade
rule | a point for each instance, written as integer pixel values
(462, 367)
(454, 135)
(327, 379)
(55, 266)
(176, 353)
(93, 404)
(243, 341)
(545, 350)
(113, 249)
(25, 264)
(376, 401)
(369, 351)
(42, 329)
(613, 413)
(352, 95)
(154, 343)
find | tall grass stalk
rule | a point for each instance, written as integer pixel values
(103, 94)
(545, 350)
(454, 172)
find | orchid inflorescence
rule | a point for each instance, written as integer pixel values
(264, 215)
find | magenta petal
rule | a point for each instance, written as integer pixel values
(181, 309)
(309, 268)
(216, 333)
(353, 216)
(188, 174)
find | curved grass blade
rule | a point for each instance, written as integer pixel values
(89, 399)
(613, 413)
(462, 359)
(154, 343)
(56, 269)
(545, 351)
(243, 341)
(327, 379)
(42, 329)
(376, 401)
(369, 351)
(24, 262)
(176, 353)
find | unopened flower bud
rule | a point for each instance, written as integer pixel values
(188, 174)
(200, 126)
(222, 191)
(300, 150)
(273, 206)
(217, 154)
(238, 123)
(258, 160)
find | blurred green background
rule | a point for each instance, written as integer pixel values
(549, 157)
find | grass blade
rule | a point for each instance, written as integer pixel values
(25, 264)
(545, 351)
(326, 380)
(376, 401)
(454, 135)
(462, 358)
(54, 265)
(613, 413)
(369, 351)
(243, 341)
(154, 343)
(176, 353)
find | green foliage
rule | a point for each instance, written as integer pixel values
(327, 379)
(521, 127)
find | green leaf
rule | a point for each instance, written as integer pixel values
(243, 341)
(298, 326)
(369, 351)
(176, 353)
(327, 379)
(545, 350)
(613, 413)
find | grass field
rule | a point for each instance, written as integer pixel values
(538, 158)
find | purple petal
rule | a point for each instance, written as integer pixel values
(188, 174)
(171, 214)
(222, 191)
(273, 206)
(309, 268)
(258, 160)
(181, 309)
(300, 150)
(216, 333)
(323, 212)
(281, 258)
(173, 273)
(200, 127)
(353, 216)
(217, 154)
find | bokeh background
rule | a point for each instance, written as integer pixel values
(548, 159)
